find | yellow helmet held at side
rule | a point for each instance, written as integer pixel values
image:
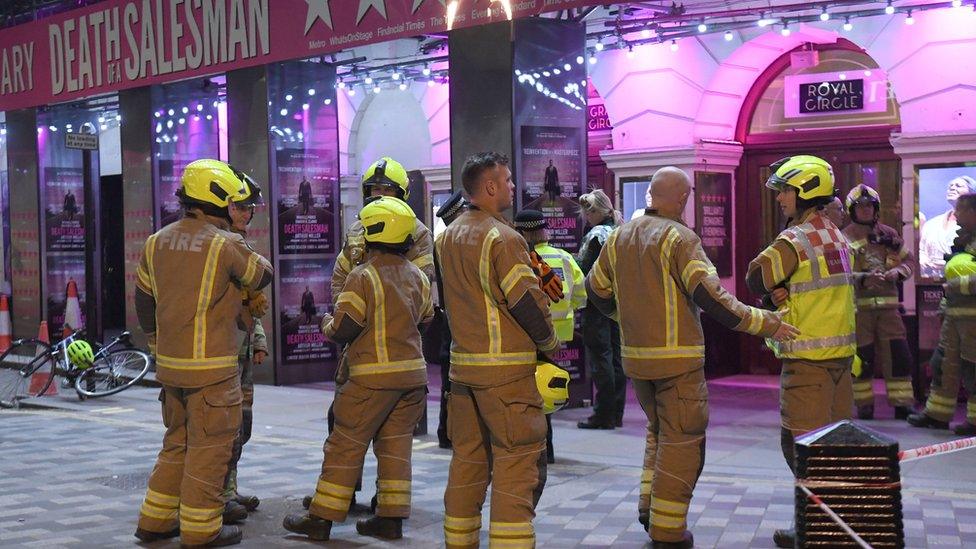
(80, 354)
(811, 176)
(553, 384)
(387, 172)
(215, 183)
(388, 220)
(959, 265)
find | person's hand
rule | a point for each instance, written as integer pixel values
(785, 331)
(257, 304)
(891, 275)
(259, 356)
(779, 296)
(549, 281)
(326, 320)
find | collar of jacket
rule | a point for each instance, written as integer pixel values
(653, 211)
(499, 217)
(218, 222)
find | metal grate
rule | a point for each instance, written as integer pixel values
(855, 471)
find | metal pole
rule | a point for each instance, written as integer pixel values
(92, 287)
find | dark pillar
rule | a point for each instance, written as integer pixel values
(25, 243)
(481, 67)
(135, 106)
(248, 150)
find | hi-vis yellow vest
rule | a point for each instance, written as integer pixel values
(821, 300)
(562, 312)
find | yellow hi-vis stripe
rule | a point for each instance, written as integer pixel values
(333, 496)
(646, 482)
(491, 308)
(971, 411)
(162, 500)
(670, 290)
(393, 492)
(940, 405)
(755, 321)
(213, 363)
(423, 261)
(152, 511)
(694, 267)
(379, 315)
(150, 252)
(388, 368)
(511, 534)
(203, 298)
(461, 530)
(775, 263)
(668, 514)
(354, 301)
(200, 520)
(252, 267)
(160, 506)
(517, 273)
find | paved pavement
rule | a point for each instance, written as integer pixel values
(73, 474)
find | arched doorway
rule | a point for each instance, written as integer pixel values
(772, 124)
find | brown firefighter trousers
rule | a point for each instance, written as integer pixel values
(499, 437)
(362, 415)
(677, 415)
(186, 485)
(813, 393)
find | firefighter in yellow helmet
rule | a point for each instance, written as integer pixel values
(955, 360)
(812, 260)
(881, 261)
(385, 177)
(188, 298)
(383, 302)
(654, 277)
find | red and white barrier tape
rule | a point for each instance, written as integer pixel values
(833, 516)
(937, 449)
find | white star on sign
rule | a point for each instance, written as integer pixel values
(418, 3)
(317, 9)
(364, 6)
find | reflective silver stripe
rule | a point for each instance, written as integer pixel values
(802, 239)
(829, 282)
(817, 343)
(489, 359)
(685, 351)
(960, 311)
(877, 301)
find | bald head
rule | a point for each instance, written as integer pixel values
(670, 188)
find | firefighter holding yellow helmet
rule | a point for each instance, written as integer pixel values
(188, 298)
(811, 259)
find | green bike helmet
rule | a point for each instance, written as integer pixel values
(80, 354)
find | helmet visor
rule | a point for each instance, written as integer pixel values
(776, 183)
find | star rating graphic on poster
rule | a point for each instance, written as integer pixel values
(317, 9)
(364, 5)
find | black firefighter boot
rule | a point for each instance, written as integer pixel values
(228, 535)
(250, 503)
(922, 419)
(234, 512)
(381, 527)
(687, 542)
(148, 536)
(314, 527)
(785, 538)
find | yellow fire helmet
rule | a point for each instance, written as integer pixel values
(387, 172)
(811, 176)
(553, 384)
(862, 193)
(80, 354)
(961, 264)
(214, 182)
(388, 220)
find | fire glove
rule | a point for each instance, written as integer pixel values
(549, 281)
(257, 303)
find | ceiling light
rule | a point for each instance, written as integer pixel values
(599, 46)
(728, 36)
(909, 20)
(426, 70)
(824, 16)
(848, 26)
(889, 9)
(702, 27)
(630, 52)
(674, 45)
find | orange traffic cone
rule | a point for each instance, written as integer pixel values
(4, 324)
(72, 309)
(40, 377)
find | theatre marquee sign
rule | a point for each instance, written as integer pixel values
(860, 91)
(120, 44)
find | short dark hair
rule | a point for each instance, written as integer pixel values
(967, 201)
(476, 165)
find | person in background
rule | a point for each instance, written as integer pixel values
(937, 234)
(601, 335)
(835, 213)
(532, 225)
(253, 351)
(448, 212)
(881, 262)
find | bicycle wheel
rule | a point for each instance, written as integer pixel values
(26, 370)
(112, 373)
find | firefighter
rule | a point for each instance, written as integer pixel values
(383, 302)
(655, 259)
(532, 225)
(448, 212)
(385, 177)
(499, 320)
(881, 261)
(811, 260)
(955, 360)
(187, 299)
(253, 351)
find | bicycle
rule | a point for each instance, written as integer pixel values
(112, 371)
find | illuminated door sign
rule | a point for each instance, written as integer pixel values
(832, 96)
(597, 118)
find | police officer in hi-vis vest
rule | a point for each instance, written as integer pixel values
(811, 260)
(188, 299)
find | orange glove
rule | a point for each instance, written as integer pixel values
(549, 281)
(257, 303)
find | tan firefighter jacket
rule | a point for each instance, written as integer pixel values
(188, 296)
(877, 249)
(353, 253)
(377, 315)
(654, 277)
(499, 317)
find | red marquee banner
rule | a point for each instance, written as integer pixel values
(121, 44)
